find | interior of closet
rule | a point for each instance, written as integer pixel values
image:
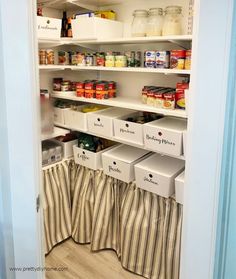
(113, 157)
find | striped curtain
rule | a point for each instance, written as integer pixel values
(150, 234)
(106, 218)
(144, 229)
(56, 205)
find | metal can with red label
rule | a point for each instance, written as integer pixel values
(180, 95)
(90, 89)
(102, 89)
(80, 89)
(169, 100)
(100, 59)
(187, 64)
(111, 89)
(177, 59)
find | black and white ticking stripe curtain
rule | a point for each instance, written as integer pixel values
(143, 228)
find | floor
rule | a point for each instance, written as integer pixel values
(72, 261)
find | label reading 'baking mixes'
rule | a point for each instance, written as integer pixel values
(160, 140)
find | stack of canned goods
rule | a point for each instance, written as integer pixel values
(46, 57)
(159, 97)
(98, 89)
(103, 59)
(174, 59)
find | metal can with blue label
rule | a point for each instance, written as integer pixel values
(150, 59)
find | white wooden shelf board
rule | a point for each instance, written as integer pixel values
(57, 132)
(115, 69)
(122, 102)
(178, 39)
(117, 140)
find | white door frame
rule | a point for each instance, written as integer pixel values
(203, 151)
(19, 89)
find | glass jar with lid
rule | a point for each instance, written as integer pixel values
(154, 22)
(139, 23)
(172, 21)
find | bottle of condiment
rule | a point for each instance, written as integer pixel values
(64, 25)
(69, 28)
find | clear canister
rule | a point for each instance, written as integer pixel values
(172, 21)
(139, 23)
(154, 22)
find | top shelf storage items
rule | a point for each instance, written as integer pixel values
(49, 28)
(95, 28)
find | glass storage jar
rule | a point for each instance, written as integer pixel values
(172, 21)
(139, 23)
(154, 22)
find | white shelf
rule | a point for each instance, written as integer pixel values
(74, 5)
(177, 39)
(57, 132)
(118, 140)
(122, 102)
(115, 69)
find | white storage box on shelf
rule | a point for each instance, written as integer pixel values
(49, 28)
(67, 147)
(129, 131)
(89, 159)
(77, 119)
(94, 28)
(165, 135)
(101, 122)
(157, 174)
(59, 116)
(179, 188)
(119, 162)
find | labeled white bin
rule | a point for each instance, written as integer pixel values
(77, 119)
(179, 188)
(157, 174)
(165, 135)
(67, 147)
(59, 117)
(119, 162)
(101, 122)
(94, 28)
(89, 159)
(128, 131)
(49, 28)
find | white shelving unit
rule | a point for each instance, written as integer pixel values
(57, 132)
(115, 69)
(121, 102)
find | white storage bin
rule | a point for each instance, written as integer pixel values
(157, 174)
(165, 135)
(77, 119)
(89, 159)
(179, 188)
(94, 28)
(101, 122)
(59, 117)
(49, 28)
(67, 147)
(128, 131)
(119, 162)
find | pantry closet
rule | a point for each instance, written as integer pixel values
(148, 231)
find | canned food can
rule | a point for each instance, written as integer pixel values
(81, 59)
(65, 86)
(111, 89)
(110, 61)
(50, 57)
(169, 100)
(150, 59)
(57, 84)
(42, 57)
(177, 59)
(89, 60)
(121, 61)
(80, 89)
(163, 59)
(63, 58)
(137, 59)
(102, 90)
(130, 58)
(100, 59)
(187, 64)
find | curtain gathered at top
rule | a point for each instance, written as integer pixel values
(142, 228)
